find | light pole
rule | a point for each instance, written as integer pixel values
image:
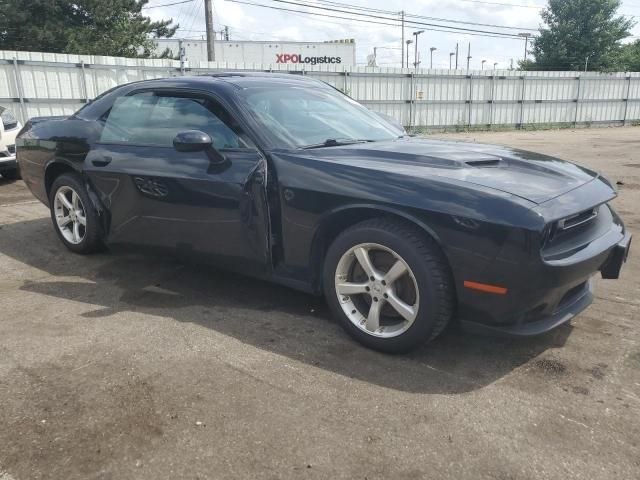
(450, 58)
(408, 42)
(482, 64)
(415, 34)
(526, 43)
(495, 64)
(402, 42)
(432, 49)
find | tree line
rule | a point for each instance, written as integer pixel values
(87, 27)
(584, 34)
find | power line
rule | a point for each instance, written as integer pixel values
(538, 7)
(302, 4)
(437, 19)
(167, 4)
(379, 17)
(195, 9)
(496, 35)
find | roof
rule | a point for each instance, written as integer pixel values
(244, 79)
(240, 80)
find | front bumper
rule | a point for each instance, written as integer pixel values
(552, 294)
(578, 301)
(612, 267)
(8, 163)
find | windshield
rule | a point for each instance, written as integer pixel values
(304, 117)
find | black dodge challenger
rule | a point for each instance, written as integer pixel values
(285, 178)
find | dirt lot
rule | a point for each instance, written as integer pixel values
(120, 366)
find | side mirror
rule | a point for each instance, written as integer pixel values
(197, 141)
(192, 141)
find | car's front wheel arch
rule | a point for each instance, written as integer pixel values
(335, 222)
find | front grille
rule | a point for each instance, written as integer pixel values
(12, 149)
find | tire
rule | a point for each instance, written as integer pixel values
(13, 174)
(424, 292)
(88, 239)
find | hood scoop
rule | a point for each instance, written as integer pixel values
(472, 159)
(488, 162)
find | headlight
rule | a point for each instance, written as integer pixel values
(578, 219)
(8, 119)
(560, 226)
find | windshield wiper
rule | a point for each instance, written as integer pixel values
(337, 142)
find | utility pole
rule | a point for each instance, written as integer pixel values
(511, 67)
(226, 32)
(586, 63)
(468, 57)
(211, 36)
(456, 56)
(450, 57)
(402, 44)
(432, 49)
(408, 42)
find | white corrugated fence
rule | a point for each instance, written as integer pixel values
(43, 84)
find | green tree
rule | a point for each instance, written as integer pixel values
(92, 27)
(627, 59)
(578, 32)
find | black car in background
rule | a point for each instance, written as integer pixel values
(285, 178)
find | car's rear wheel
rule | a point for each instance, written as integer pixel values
(74, 217)
(388, 284)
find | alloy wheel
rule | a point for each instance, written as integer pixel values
(70, 214)
(377, 290)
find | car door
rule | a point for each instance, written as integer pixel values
(196, 202)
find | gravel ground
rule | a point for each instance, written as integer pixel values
(122, 366)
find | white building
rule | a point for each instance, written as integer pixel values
(340, 52)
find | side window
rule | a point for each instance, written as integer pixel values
(127, 119)
(155, 119)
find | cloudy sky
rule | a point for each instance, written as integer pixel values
(251, 22)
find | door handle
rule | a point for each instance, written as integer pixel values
(103, 162)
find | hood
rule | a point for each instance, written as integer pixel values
(532, 176)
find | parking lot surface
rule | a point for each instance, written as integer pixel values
(121, 365)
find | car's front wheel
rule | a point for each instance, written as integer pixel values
(73, 215)
(388, 284)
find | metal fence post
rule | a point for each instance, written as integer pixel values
(18, 77)
(411, 99)
(626, 101)
(470, 99)
(575, 119)
(84, 82)
(491, 99)
(524, 85)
